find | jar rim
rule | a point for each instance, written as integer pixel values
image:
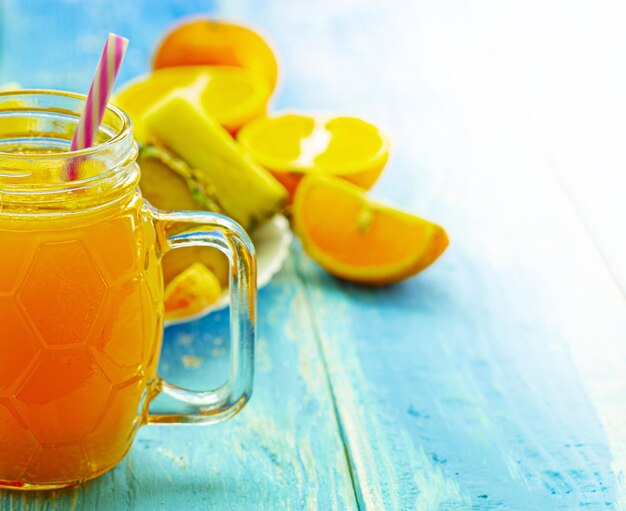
(124, 131)
(32, 182)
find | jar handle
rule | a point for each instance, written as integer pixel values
(200, 228)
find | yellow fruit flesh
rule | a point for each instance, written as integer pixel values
(231, 96)
(191, 292)
(165, 189)
(300, 144)
(246, 192)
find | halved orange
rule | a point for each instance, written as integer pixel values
(293, 145)
(359, 240)
(230, 95)
(191, 292)
(217, 43)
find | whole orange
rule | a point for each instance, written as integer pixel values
(217, 43)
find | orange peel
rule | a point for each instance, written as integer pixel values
(359, 240)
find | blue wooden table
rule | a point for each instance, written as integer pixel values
(496, 380)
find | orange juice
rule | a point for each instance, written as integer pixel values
(81, 297)
(79, 320)
(80, 303)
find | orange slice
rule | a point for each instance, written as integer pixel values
(359, 240)
(232, 96)
(212, 42)
(292, 145)
(191, 292)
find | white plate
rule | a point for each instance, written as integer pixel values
(271, 241)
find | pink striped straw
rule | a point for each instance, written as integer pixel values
(98, 97)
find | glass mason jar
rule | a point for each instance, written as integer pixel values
(81, 297)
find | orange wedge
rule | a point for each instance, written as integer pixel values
(217, 43)
(191, 292)
(292, 145)
(359, 240)
(232, 96)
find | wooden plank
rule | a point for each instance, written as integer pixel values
(496, 379)
(269, 457)
(285, 450)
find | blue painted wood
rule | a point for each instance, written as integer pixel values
(282, 452)
(493, 381)
(269, 457)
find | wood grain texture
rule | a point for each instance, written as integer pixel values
(496, 379)
(284, 451)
